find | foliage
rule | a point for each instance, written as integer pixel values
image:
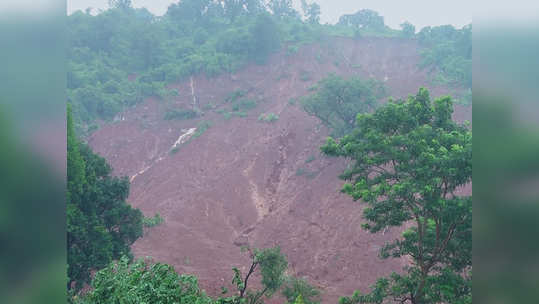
(410, 158)
(310, 159)
(269, 117)
(124, 54)
(201, 128)
(311, 11)
(295, 288)
(235, 95)
(143, 282)
(299, 300)
(152, 221)
(265, 38)
(408, 29)
(123, 41)
(305, 75)
(100, 224)
(336, 101)
(364, 18)
(180, 114)
(448, 51)
(272, 265)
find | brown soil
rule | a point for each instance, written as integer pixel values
(248, 182)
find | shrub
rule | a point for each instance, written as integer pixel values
(201, 128)
(235, 95)
(305, 76)
(180, 114)
(153, 221)
(270, 117)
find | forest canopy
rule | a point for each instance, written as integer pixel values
(124, 54)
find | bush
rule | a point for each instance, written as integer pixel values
(235, 95)
(305, 76)
(180, 114)
(270, 117)
(153, 221)
(201, 128)
(244, 104)
(142, 282)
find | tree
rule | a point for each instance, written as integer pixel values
(120, 4)
(408, 29)
(265, 38)
(336, 101)
(282, 8)
(272, 264)
(299, 300)
(143, 282)
(311, 11)
(100, 224)
(409, 158)
(363, 19)
(298, 288)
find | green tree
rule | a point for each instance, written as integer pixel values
(120, 4)
(272, 265)
(265, 38)
(408, 29)
(143, 282)
(336, 101)
(298, 288)
(448, 52)
(363, 19)
(409, 160)
(311, 11)
(282, 8)
(100, 224)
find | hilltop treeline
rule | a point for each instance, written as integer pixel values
(213, 37)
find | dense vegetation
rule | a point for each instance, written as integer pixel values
(146, 282)
(409, 160)
(211, 37)
(100, 224)
(336, 101)
(448, 51)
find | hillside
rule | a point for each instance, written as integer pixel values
(239, 180)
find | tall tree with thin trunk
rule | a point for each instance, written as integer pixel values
(409, 161)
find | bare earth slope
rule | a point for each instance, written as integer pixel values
(247, 182)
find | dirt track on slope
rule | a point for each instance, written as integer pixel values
(248, 182)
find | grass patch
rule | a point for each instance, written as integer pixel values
(174, 150)
(305, 76)
(292, 101)
(229, 115)
(180, 114)
(152, 221)
(310, 159)
(269, 117)
(308, 174)
(244, 104)
(235, 95)
(201, 128)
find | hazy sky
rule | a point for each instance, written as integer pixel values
(419, 12)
